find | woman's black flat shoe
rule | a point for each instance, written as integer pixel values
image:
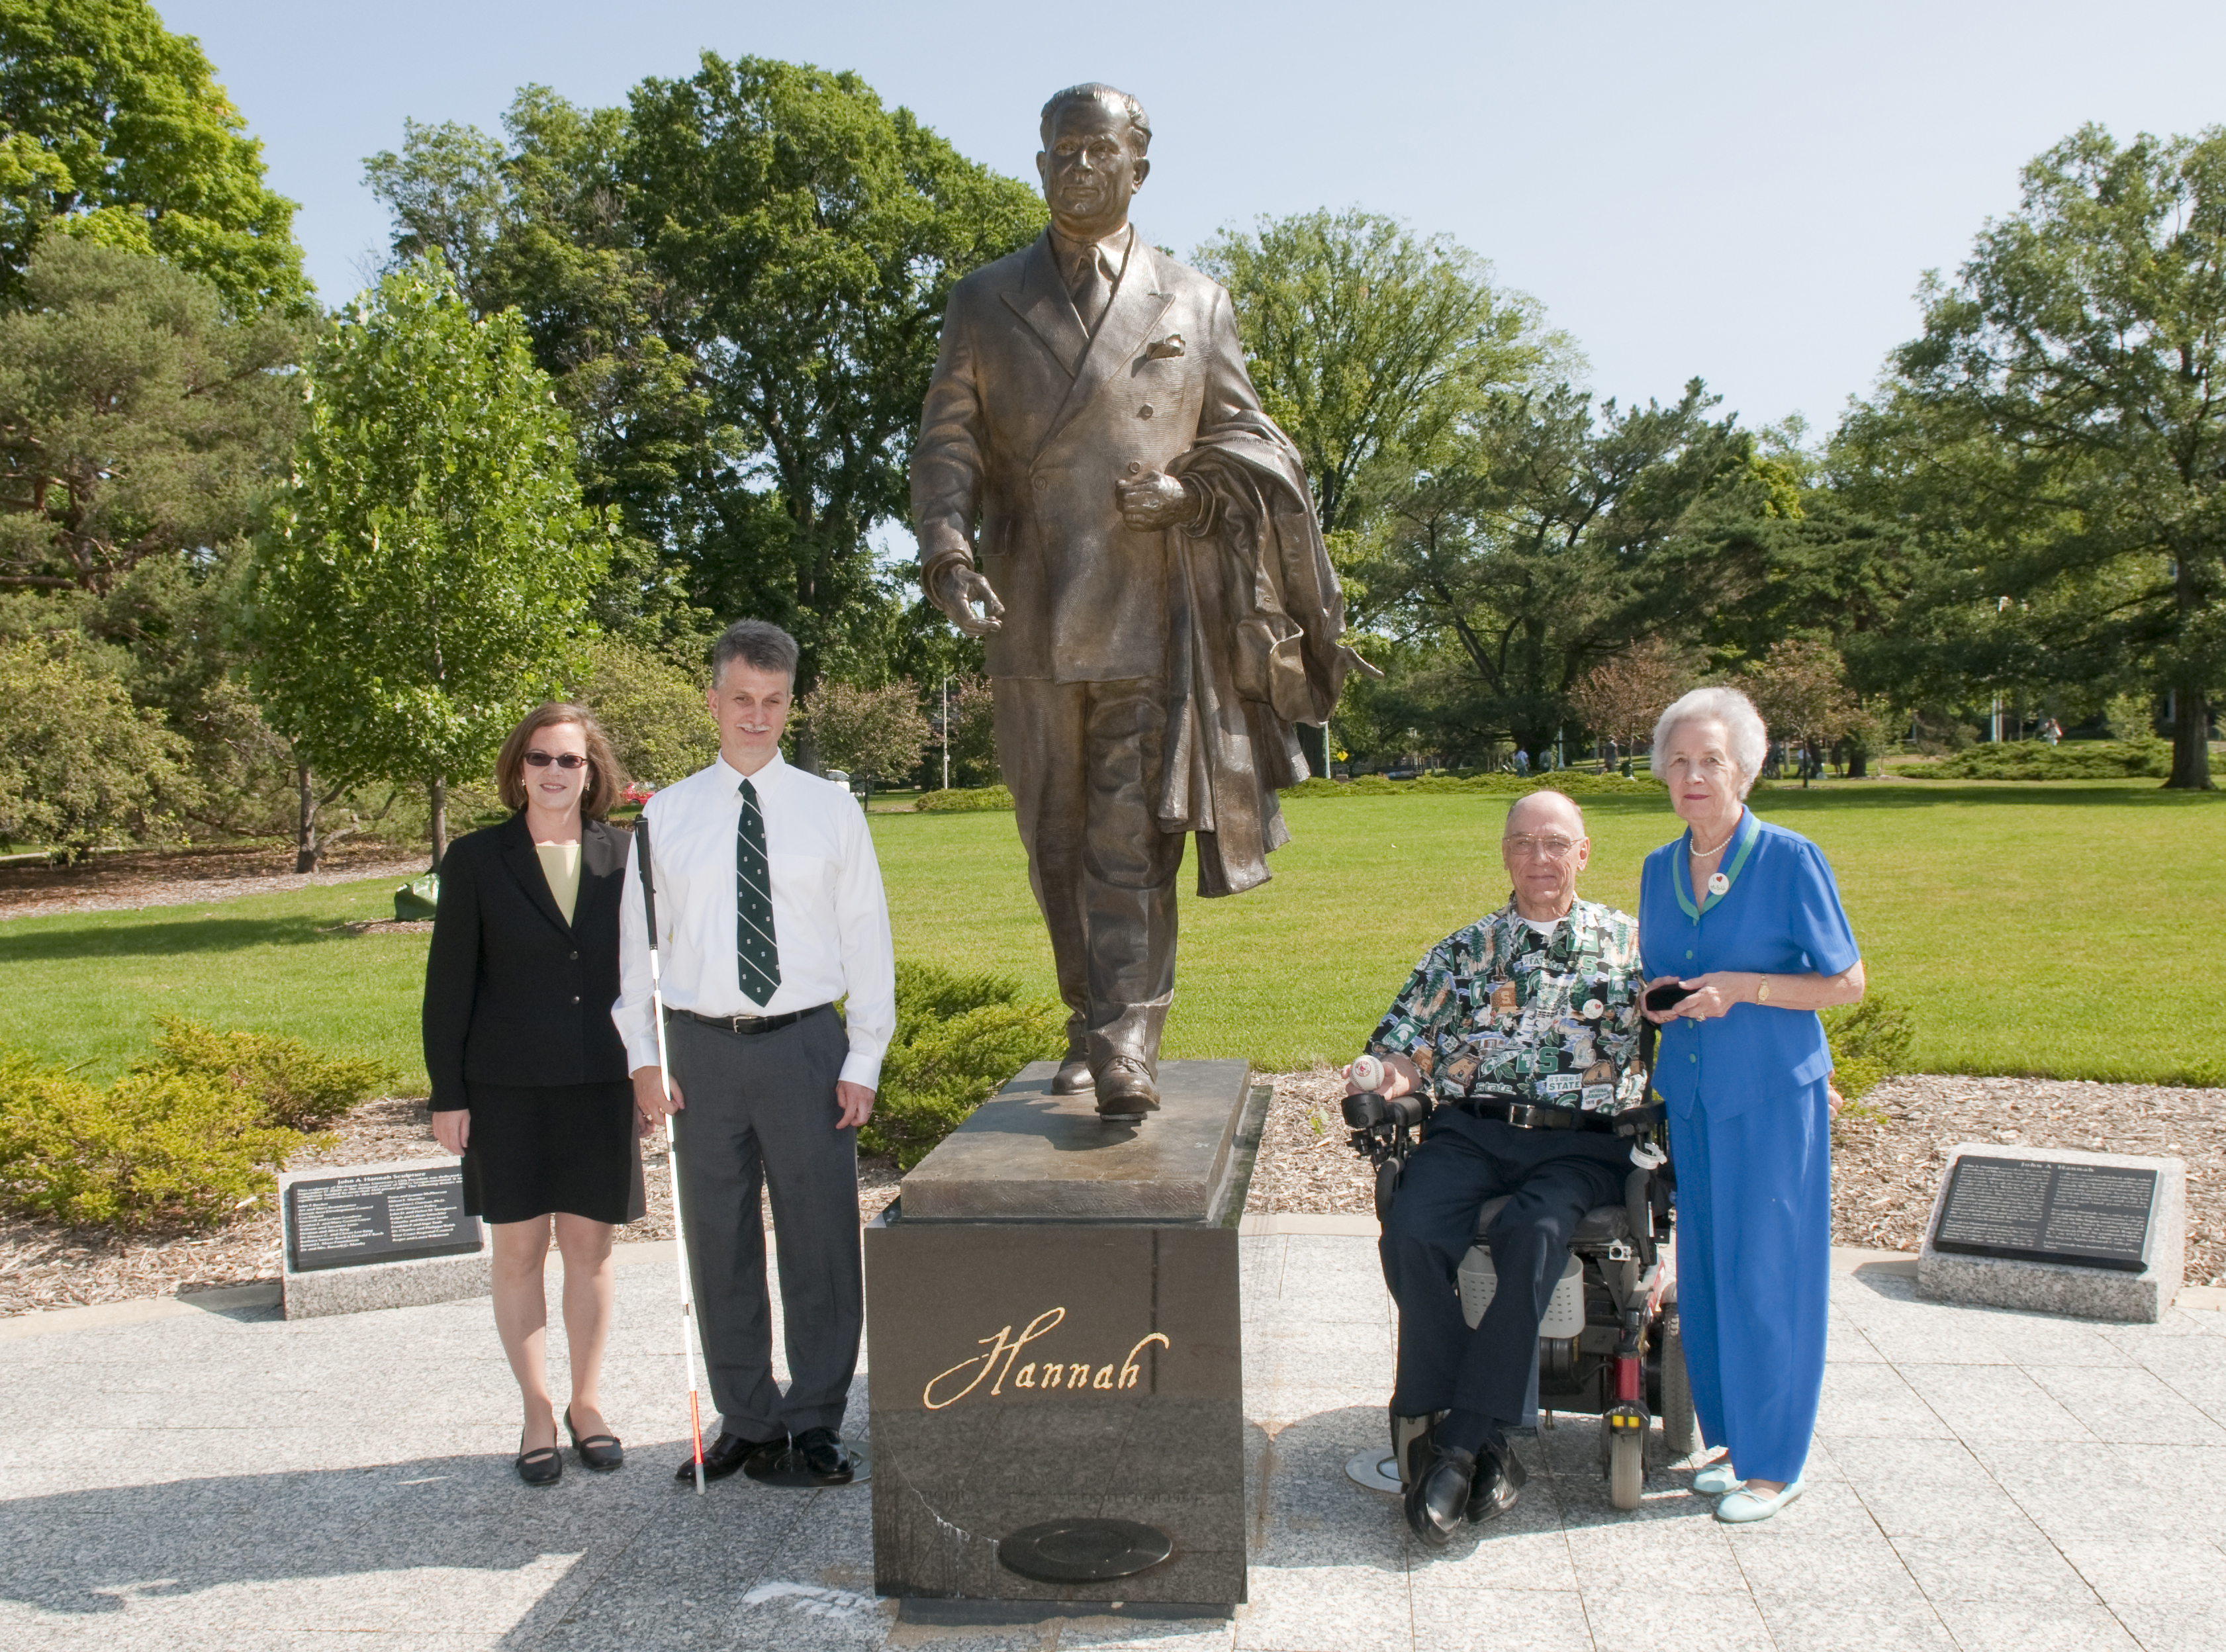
(597, 1450)
(544, 1467)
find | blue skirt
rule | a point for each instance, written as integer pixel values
(1754, 1273)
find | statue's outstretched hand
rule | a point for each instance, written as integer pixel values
(957, 589)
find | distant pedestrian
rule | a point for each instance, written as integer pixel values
(769, 910)
(2051, 730)
(529, 1076)
(1521, 761)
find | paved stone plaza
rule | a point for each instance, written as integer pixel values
(187, 1478)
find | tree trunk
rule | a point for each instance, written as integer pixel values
(1858, 763)
(2191, 741)
(306, 847)
(437, 795)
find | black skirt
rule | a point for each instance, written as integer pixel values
(568, 1149)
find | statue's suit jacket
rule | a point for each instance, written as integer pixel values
(1028, 422)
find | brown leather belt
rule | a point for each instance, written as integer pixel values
(749, 1026)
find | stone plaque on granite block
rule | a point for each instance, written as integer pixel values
(378, 1216)
(1057, 1405)
(2048, 1211)
(389, 1236)
(2056, 1230)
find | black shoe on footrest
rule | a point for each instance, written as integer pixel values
(1499, 1477)
(1437, 1501)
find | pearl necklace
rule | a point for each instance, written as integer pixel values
(1699, 854)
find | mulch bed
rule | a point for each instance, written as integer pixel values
(1887, 1162)
(179, 877)
(1888, 1156)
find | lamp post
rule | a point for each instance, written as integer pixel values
(946, 731)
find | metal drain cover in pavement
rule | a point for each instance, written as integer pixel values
(1084, 1551)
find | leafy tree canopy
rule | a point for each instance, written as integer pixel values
(2056, 442)
(136, 420)
(114, 130)
(737, 281)
(428, 580)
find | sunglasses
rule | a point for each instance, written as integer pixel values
(562, 760)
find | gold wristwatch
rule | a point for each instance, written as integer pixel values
(1762, 989)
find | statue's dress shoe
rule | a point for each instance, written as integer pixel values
(726, 1454)
(1125, 1090)
(1438, 1502)
(1074, 1075)
(1499, 1475)
(821, 1452)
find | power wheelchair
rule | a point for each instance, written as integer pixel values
(1609, 1345)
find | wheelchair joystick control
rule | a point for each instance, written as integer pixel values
(1647, 1156)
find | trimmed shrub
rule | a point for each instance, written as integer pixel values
(296, 1088)
(964, 800)
(2034, 759)
(156, 1149)
(1576, 783)
(1870, 1041)
(959, 1038)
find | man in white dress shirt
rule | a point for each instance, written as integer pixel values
(769, 909)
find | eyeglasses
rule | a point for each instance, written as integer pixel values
(1554, 848)
(562, 759)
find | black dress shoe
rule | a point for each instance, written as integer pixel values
(1125, 1091)
(543, 1467)
(820, 1451)
(726, 1454)
(1499, 1476)
(1438, 1501)
(596, 1451)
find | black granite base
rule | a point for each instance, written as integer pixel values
(1032, 1370)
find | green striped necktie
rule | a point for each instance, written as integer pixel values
(756, 950)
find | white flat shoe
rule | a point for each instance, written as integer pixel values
(1716, 1479)
(1744, 1506)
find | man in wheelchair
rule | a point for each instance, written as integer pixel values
(1518, 1036)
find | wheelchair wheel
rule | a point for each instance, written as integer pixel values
(1626, 1468)
(1681, 1430)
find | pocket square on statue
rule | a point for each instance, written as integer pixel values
(1161, 349)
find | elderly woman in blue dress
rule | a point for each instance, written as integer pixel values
(1744, 917)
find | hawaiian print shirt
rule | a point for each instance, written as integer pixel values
(1554, 1020)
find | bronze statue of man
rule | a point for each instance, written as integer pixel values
(1157, 607)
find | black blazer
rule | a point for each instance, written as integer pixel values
(513, 994)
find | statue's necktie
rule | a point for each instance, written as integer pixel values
(756, 950)
(1092, 289)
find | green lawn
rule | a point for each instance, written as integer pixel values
(2003, 916)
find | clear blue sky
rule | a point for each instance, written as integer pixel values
(1746, 192)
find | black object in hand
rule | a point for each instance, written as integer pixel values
(1667, 997)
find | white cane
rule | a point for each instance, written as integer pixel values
(672, 1152)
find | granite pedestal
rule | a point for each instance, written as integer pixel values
(2088, 1292)
(1053, 1324)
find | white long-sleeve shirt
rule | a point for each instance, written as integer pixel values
(829, 916)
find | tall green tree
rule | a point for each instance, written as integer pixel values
(1558, 536)
(1369, 344)
(736, 282)
(2058, 436)
(428, 580)
(138, 420)
(114, 130)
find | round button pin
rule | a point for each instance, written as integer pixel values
(1718, 884)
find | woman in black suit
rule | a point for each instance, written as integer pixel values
(529, 1074)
